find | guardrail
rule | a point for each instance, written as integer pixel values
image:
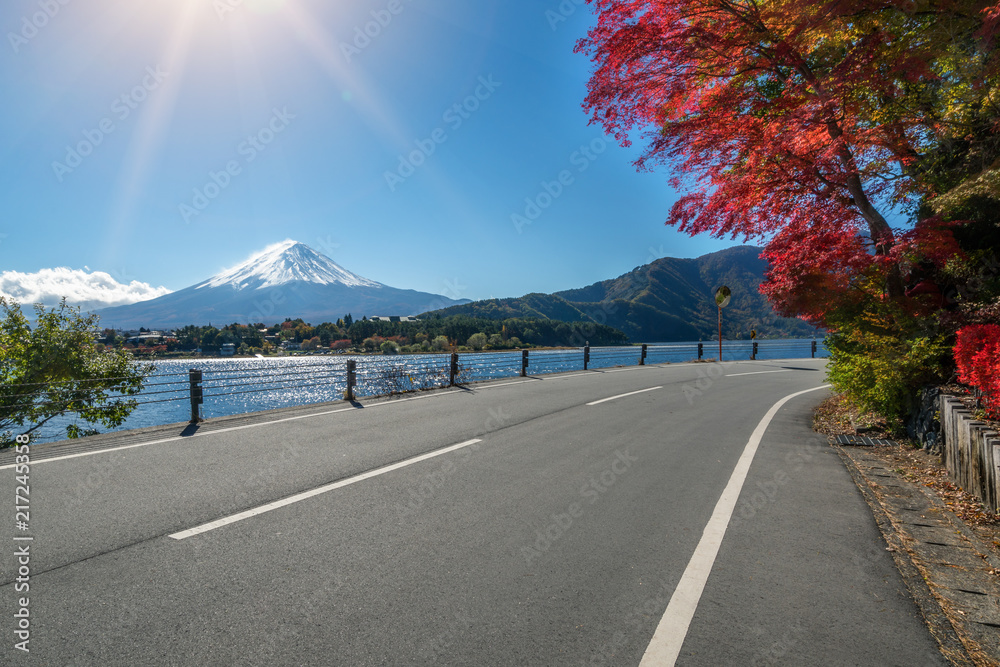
(429, 371)
(284, 382)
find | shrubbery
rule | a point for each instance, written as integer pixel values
(477, 341)
(977, 356)
(882, 372)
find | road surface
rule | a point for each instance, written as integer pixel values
(677, 514)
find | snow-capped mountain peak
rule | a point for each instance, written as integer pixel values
(285, 262)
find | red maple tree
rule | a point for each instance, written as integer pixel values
(802, 123)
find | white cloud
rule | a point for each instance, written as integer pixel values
(88, 290)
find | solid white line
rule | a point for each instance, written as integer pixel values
(218, 523)
(504, 384)
(179, 437)
(228, 428)
(666, 643)
(733, 375)
(631, 393)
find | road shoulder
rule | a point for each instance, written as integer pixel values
(948, 569)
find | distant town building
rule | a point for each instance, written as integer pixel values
(392, 318)
(228, 349)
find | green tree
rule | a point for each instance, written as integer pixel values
(477, 341)
(57, 368)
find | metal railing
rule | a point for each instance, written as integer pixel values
(434, 371)
(234, 390)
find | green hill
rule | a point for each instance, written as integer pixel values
(667, 300)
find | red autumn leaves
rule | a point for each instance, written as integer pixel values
(977, 355)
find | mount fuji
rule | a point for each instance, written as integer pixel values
(289, 279)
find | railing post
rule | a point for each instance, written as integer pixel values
(352, 378)
(524, 363)
(814, 349)
(453, 372)
(754, 356)
(197, 395)
(701, 350)
(586, 357)
(642, 359)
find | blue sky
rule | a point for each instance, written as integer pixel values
(165, 140)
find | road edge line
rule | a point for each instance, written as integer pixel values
(665, 646)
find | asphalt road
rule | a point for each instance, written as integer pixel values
(555, 530)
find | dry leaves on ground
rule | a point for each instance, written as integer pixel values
(836, 416)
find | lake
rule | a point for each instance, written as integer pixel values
(238, 386)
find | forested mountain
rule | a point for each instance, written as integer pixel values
(669, 299)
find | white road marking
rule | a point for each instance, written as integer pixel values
(179, 437)
(504, 384)
(233, 428)
(327, 412)
(218, 523)
(666, 643)
(631, 393)
(733, 375)
(575, 375)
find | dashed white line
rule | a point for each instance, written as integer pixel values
(631, 393)
(733, 375)
(257, 511)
